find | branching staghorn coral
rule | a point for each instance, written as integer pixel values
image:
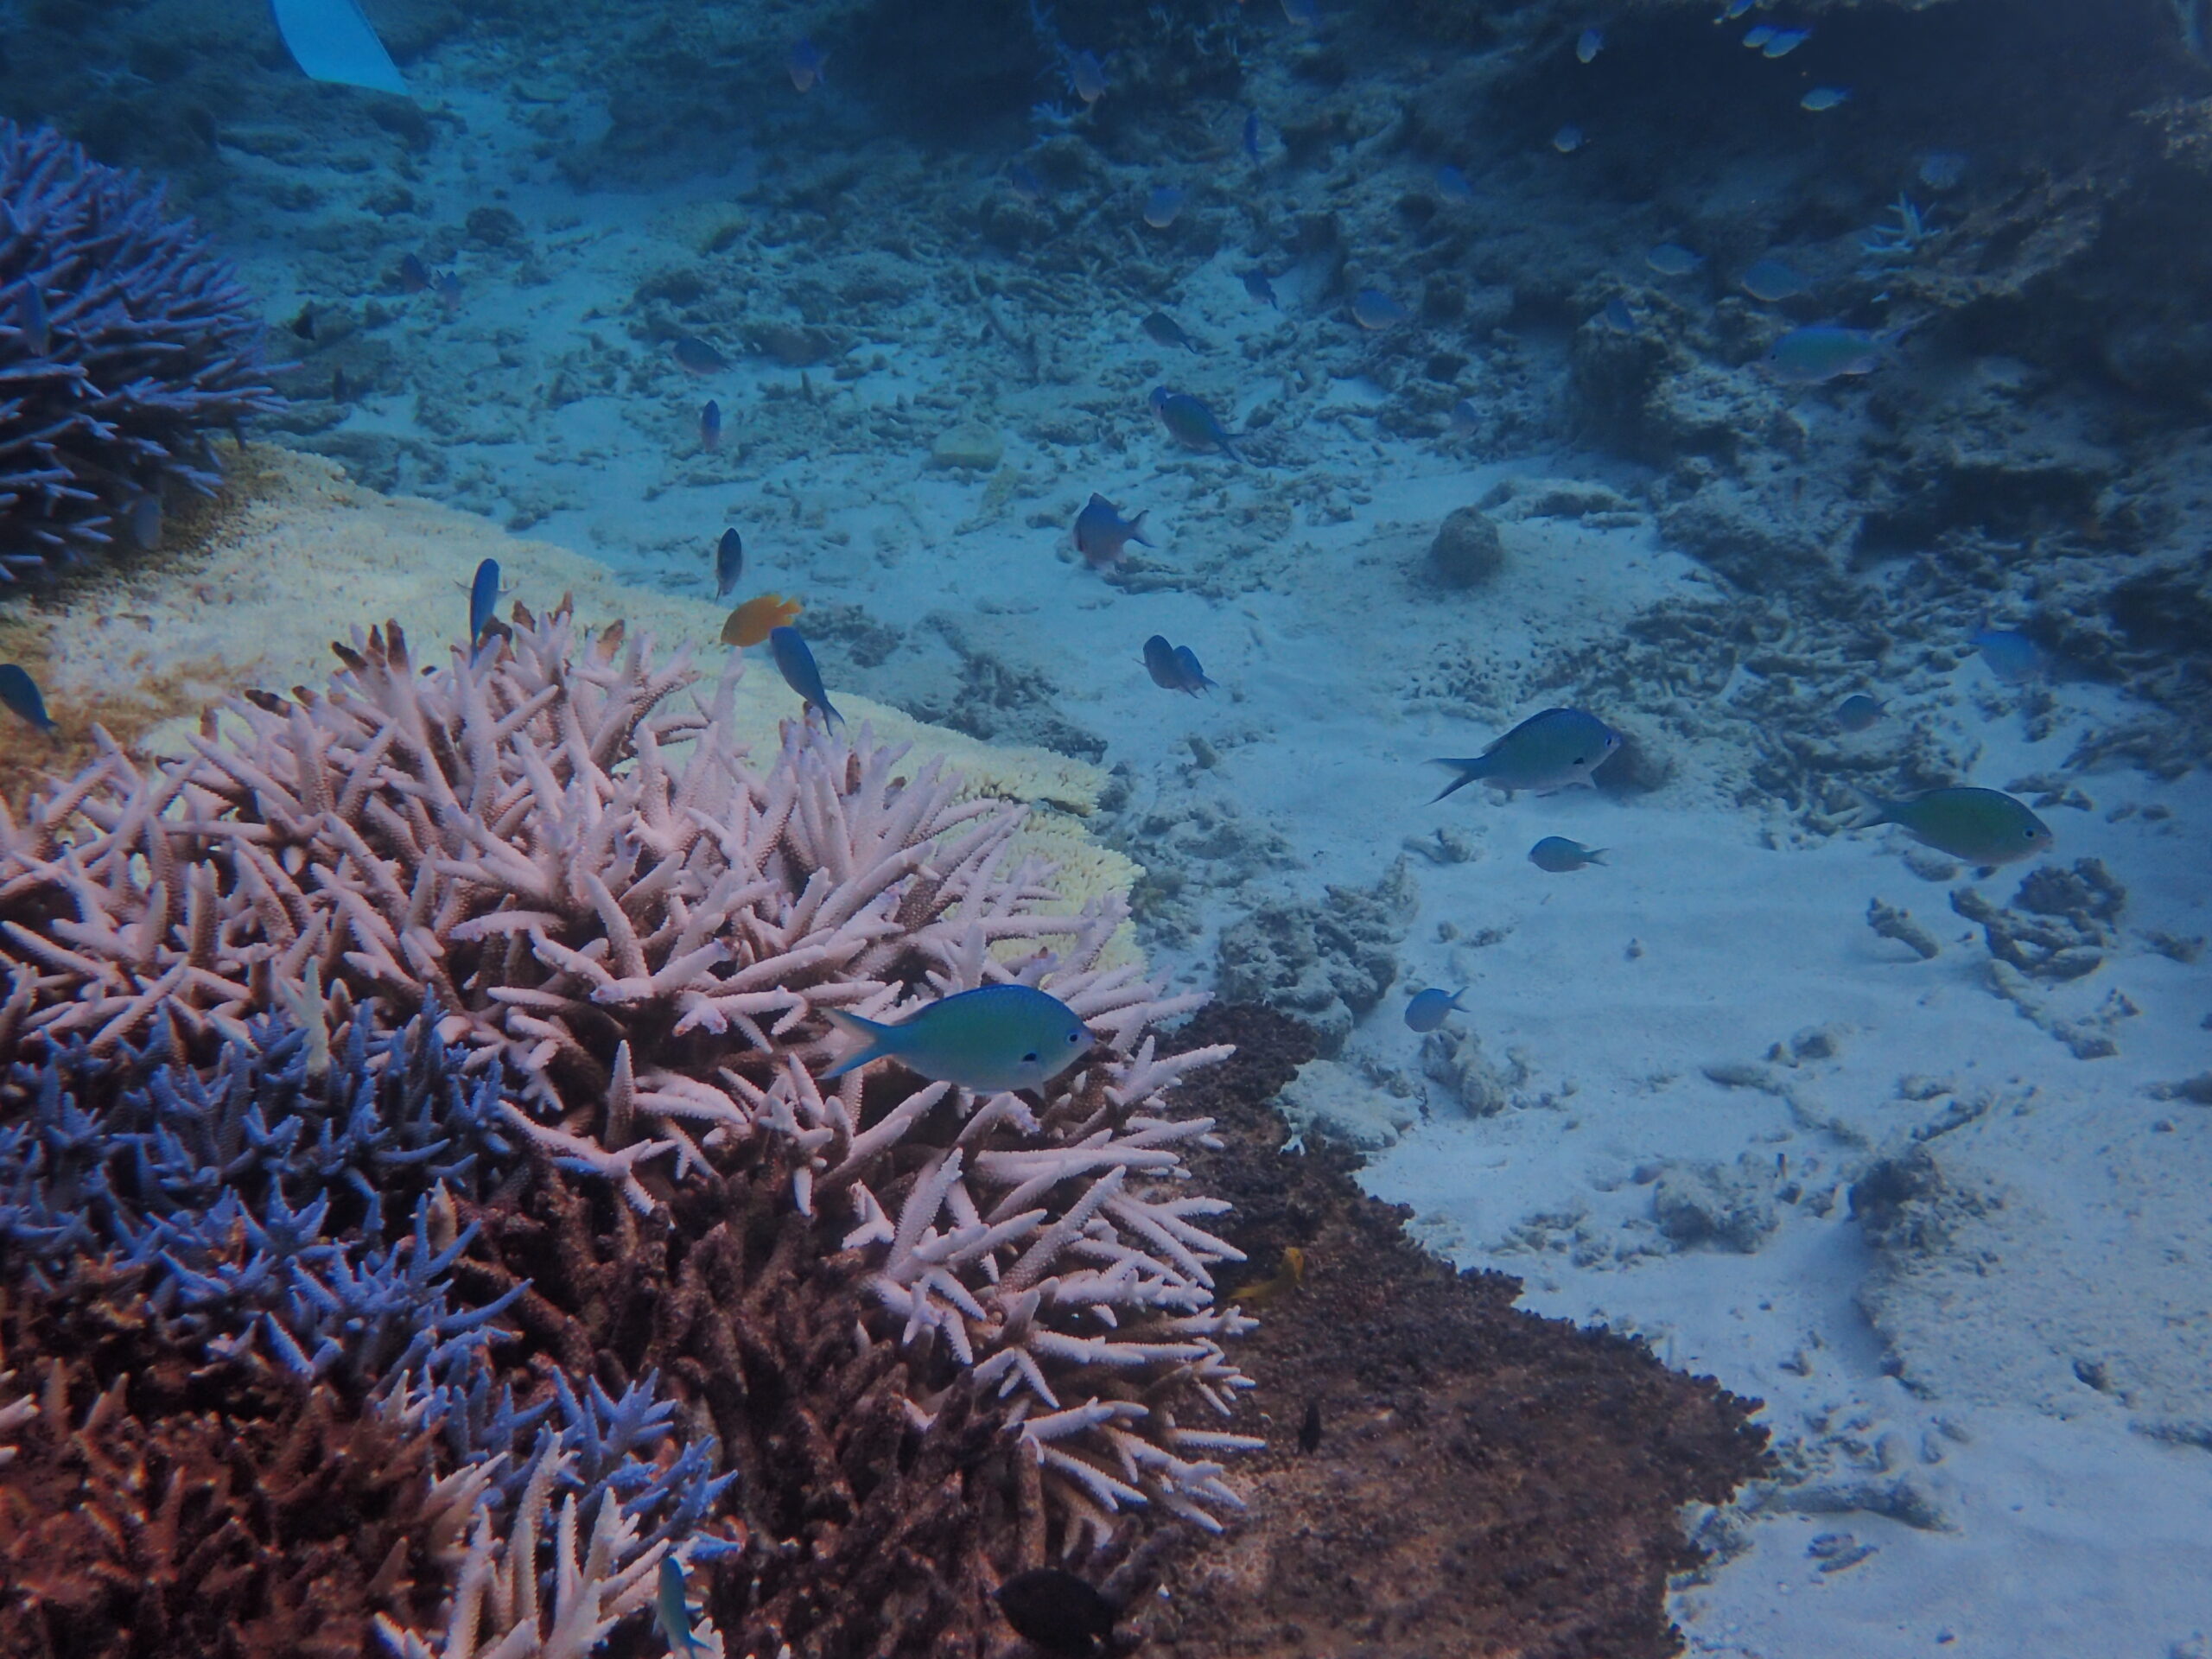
(893, 1303)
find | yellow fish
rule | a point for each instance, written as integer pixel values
(753, 621)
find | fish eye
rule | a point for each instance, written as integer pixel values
(1075, 1036)
(1030, 1058)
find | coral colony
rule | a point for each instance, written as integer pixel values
(124, 345)
(420, 1211)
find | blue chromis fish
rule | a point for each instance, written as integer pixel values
(1591, 42)
(1616, 317)
(1781, 42)
(1756, 38)
(1374, 311)
(804, 63)
(1557, 854)
(414, 274)
(796, 664)
(710, 425)
(1454, 185)
(695, 356)
(1252, 136)
(1733, 9)
(20, 693)
(1982, 826)
(1858, 712)
(32, 321)
(670, 1610)
(1022, 180)
(1191, 423)
(1174, 668)
(483, 599)
(1465, 417)
(1822, 352)
(1428, 1009)
(1168, 332)
(1556, 749)
(1672, 260)
(730, 563)
(1771, 280)
(995, 1038)
(1257, 285)
(1567, 139)
(1102, 534)
(2011, 655)
(1824, 98)
(1163, 207)
(1087, 76)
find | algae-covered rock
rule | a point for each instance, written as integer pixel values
(1328, 964)
(1468, 550)
(968, 448)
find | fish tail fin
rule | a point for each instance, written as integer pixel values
(1872, 811)
(1596, 856)
(1136, 530)
(1470, 769)
(871, 1033)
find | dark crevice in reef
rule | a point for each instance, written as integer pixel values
(1486, 1482)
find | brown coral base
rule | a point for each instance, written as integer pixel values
(1487, 1483)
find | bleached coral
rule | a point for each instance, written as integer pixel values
(606, 901)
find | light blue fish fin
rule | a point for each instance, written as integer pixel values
(874, 1039)
(1470, 769)
(332, 42)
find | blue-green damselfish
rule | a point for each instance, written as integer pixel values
(993, 1038)
(1983, 826)
(1556, 749)
(674, 1614)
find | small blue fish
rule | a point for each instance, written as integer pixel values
(1824, 98)
(1558, 856)
(1428, 1009)
(32, 321)
(20, 693)
(1191, 423)
(1465, 416)
(1858, 712)
(670, 1610)
(1163, 207)
(414, 274)
(1087, 76)
(1556, 749)
(1825, 351)
(1734, 9)
(730, 563)
(796, 664)
(1672, 260)
(1022, 180)
(1616, 317)
(1771, 280)
(1303, 14)
(1257, 285)
(1373, 310)
(144, 520)
(710, 426)
(1174, 668)
(804, 63)
(1168, 332)
(2011, 655)
(449, 289)
(1454, 185)
(1781, 42)
(1102, 534)
(995, 1038)
(483, 600)
(1193, 678)
(1757, 38)
(1567, 139)
(1252, 137)
(1589, 45)
(693, 356)
(1942, 169)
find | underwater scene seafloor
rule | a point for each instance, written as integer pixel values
(1291, 829)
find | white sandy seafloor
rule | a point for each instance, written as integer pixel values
(1997, 1427)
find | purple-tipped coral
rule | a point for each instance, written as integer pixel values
(935, 1333)
(123, 345)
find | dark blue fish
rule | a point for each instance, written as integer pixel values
(1190, 422)
(804, 64)
(31, 319)
(1857, 712)
(483, 599)
(1168, 332)
(672, 1613)
(695, 356)
(1159, 663)
(448, 287)
(414, 274)
(1454, 185)
(1252, 136)
(730, 563)
(1102, 534)
(1194, 677)
(1257, 285)
(796, 664)
(710, 426)
(20, 692)
(1022, 180)
(1430, 1008)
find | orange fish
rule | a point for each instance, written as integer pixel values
(753, 621)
